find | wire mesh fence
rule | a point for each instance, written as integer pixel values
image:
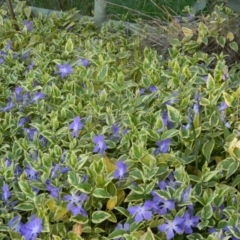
(120, 9)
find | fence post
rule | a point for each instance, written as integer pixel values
(100, 13)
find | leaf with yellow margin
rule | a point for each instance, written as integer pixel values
(187, 32)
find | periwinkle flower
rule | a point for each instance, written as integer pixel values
(64, 70)
(76, 126)
(152, 89)
(75, 203)
(185, 196)
(23, 120)
(142, 91)
(29, 25)
(5, 193)
(141, 212)
(121, 170)
(38, 96)
(165, 206)
(10, 105)
(25, 55)
(15, 224)
(115, 130)
(54, 191)
(100, 144)
(125, 226)
(18, 95)
(170, 226)
(8, 162)
(18, 170)
(85, 62)
(32, 228)
(222, 106)
(169, 181)
(189, 222)
(9, 45)
(196, 108)
(190, 17)
(163, 146)
(30, 132)
(54, 171)
(30, 66)
(31, 173)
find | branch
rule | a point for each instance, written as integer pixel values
(10, 8)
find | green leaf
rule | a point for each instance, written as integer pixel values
(69, 46)
(210, 83)
(209, 175)
(206, 212)
(79, 219)
(214, 119)
(232, 168)
(173, 114)
(221, 41)
(136, 150)
(236, 181)
(117, 234)
(195, 236)
(101, 193)
(229, 99)
(207, 148)
(26, 189)
(100, 216)
(163, 194)
(123, 211)
(169, 134)
(24, 207)
(148, 235)
(27, 11)
(103, 73)
(234, 46)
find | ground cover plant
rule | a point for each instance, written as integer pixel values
(102, 139)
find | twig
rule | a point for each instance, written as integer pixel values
(10, 8)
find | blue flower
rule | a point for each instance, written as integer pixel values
(15, 224)
(125, 226)
(170, 226)
(76, 126)
(64, 70)
(115, 130)
(37, 96)
(121, 170)
(222, 106)
(10, 105)
(189, 222)
(141, 212)
(54, 191)
(5, 193)
(31, 173)
(75, 203)
(29, 25)
(163, 146)
(32, 228)
(100, 144)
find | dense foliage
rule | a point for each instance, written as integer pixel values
(101, 140)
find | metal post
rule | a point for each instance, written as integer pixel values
(100, 13)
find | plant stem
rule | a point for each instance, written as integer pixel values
(10, 8)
